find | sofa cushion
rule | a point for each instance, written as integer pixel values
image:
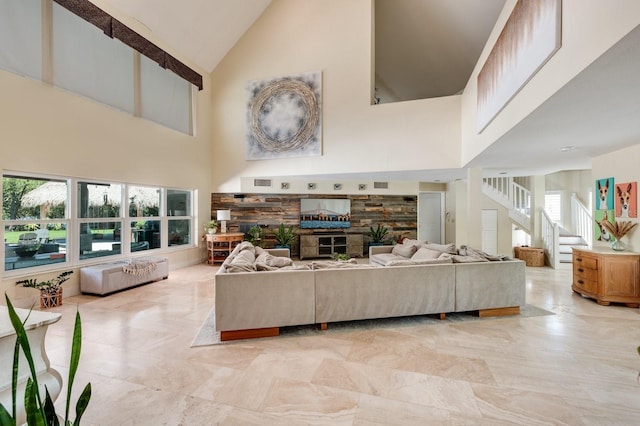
(442, 248)
(468, 259)
(404, 250)
(242, 262)
(417, 243)
(425, 253)
(268, 259)
(412, 262)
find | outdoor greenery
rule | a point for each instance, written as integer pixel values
(13, 189)
(41, 412)
(285, 236)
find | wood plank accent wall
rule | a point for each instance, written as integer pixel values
(396, 212)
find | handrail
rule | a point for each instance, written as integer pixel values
(550, 239)
(521, 199)
(581, 220)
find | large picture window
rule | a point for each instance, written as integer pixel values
(34, 215)
(108, 219)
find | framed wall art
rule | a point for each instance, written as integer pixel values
(284, 117)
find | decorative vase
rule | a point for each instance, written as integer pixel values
(618, 245)
(211, 231)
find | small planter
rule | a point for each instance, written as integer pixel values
(50, 299)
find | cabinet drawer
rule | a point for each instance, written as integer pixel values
(580, 271)
(590, 286)
(585, 262)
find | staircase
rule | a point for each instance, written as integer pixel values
(557, 242)
(514, 197)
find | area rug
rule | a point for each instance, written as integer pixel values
(207, 334)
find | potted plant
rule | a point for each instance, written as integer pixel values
(284, 236)
(211, 227)
(378, 235)
(341, 257)
(255, 235)
(50, 290)
(38, 410)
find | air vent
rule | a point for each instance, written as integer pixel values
(381, 185)
(262, 182)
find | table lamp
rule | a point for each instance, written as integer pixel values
(223, 216)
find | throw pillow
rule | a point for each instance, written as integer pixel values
(410, 242)
(404, 250)
(442, 248)
(425, 253)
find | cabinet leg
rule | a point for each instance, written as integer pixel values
(603, 302)
(631, 305)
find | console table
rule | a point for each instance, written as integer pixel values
(607, 276)
(219, 246)
(36, 328)
(327, 245)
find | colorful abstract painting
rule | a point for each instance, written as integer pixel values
(604, 194)
(599, 233)
(626, 196)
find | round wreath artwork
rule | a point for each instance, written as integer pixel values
(307, 123)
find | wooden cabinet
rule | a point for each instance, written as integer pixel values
(219, 246)
(327, 245)
(607, 276)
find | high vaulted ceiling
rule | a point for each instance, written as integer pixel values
(593, 114)
(426, 49)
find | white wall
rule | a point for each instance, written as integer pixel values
(589, 28)
(622, 165)
(48, 131)
(335, 37)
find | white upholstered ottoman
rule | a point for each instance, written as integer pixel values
(107, 278)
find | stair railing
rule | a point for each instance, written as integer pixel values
(515, 197)
(581, 220)
(521, 197)
(550, 239)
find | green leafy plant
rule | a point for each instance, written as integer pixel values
(285, 236)
(379, 234)
(41, 412)
(341, 256)
(255, 235)
(49, 286)
(212, 224)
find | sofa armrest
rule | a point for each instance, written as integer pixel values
(379, 249)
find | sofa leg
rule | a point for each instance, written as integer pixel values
(249, 334)
(323, 326)
(443, 316)
(498, 312)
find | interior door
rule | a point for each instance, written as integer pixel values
(431, 217)
(490, 231)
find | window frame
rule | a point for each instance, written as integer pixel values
(72, 221)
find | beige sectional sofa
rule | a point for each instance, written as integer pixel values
(255, 304)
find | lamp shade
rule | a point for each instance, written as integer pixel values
(223, 214)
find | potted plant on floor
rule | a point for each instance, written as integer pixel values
(50, 290)
(255, 235)
(378, 235)
(284, 236)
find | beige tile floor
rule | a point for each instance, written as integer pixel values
(576, 367)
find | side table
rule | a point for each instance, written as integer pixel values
(219, 246)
